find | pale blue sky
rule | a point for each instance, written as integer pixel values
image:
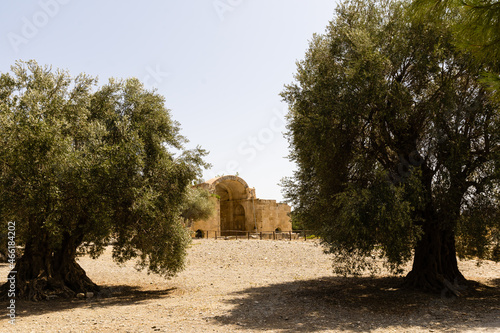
(220, 64)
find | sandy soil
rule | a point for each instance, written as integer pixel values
(253, 286)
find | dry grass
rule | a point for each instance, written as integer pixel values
(273, 286)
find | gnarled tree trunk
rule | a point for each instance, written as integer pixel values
(42, 272)
(435, 265)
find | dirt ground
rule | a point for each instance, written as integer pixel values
(253, 286)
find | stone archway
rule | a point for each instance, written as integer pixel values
(239, 210)
(232, 192)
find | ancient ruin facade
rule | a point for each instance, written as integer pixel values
(239, 210)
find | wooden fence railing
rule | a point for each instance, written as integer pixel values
(238, 234)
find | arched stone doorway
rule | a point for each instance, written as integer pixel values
(232, 192)
(225, 208)
(239, 217)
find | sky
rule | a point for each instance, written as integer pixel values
(220, 64)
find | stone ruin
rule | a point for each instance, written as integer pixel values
(239, 211)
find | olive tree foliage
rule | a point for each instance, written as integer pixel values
(82, 166)
(476, 25)
(199, 205)
(396, 144)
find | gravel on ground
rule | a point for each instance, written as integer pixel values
(260, 285)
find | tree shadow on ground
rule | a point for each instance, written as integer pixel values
(108, 296)
(361, 304)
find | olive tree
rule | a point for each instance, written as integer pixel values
(397, 146)
(83, 166)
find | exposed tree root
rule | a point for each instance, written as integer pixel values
(37, 279)
(435, 283)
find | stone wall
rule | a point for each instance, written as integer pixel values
(211, 225)
(272, 216)
(239, 211)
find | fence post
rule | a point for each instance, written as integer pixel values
(216, 235)
(290, 235)
(248, 235)
(261, 235)
(305, 235)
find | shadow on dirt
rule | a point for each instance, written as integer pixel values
(331, 303)
(361, 304)
(108, 296)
